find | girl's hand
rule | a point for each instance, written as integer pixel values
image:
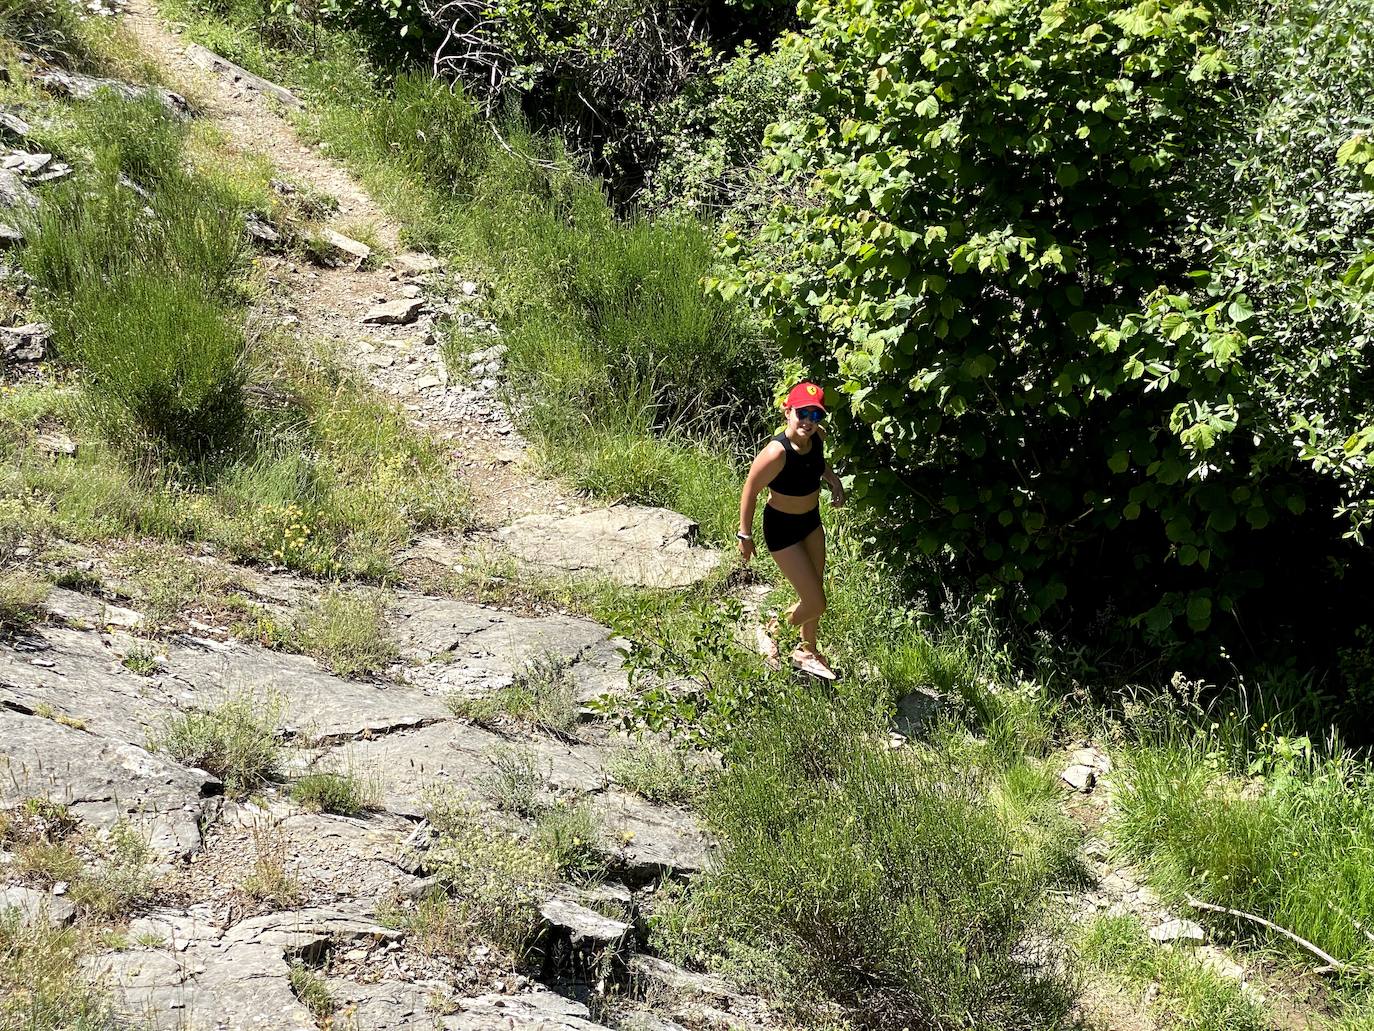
(746, 551)
(836, 496)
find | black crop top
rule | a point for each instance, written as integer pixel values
(801, 474)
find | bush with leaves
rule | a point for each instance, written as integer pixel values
(709, 136)
(983, 197)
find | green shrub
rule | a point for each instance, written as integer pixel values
(344, 793)
(994, 418)
(878, 878)
(347, 632)
(494, 881)
(236, 740)
(710, 135)
(122, 880)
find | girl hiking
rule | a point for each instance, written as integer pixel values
(792, 466)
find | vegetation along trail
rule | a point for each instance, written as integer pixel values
(379, 382)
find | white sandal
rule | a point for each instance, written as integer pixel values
(809, 662)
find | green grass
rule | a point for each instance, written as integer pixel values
(42, 987)
(347, 633)
(51, 28)
(1278, 829)
(271, 879)
(125, 291)
(347, 794)
(236, 740)
(542, 693)
(1190, 996)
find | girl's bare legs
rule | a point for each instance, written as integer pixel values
(815, 550)
(799, 566)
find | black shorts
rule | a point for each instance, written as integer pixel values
(782, 529)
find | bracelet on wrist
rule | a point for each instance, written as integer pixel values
(744, 536)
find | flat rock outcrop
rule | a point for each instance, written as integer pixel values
(632, 545)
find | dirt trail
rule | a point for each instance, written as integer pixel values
(329, 304)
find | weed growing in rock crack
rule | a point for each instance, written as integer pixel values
(21, 598)
(439, 926)
(494, 881)
(142, 658)
(70, 721)
(271, 880)
(515, 780)
(346, 794)
(42, 984)
(38, 820)
(1195, 997)
(543, 694)
(235, 741)
(347, 632)
(313, 991)
(46, 863)
(122, 880)
(568, 834)
(658, 771)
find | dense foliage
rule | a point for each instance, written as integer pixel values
(997, 210)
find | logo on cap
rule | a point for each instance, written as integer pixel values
(811, 390)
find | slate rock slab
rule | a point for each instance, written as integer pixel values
(35, 907)
(78, 674)
(455, 757)
(104, 780)
(395, 313)
(651, 841)
(83, 87)
(237, 979)
(317, 704)
(631, 545)
(535, 1011)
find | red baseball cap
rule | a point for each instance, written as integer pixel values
(806, 395)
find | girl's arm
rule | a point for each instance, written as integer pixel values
(762, 471)
(836, 487)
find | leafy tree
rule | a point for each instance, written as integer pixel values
(977, 188)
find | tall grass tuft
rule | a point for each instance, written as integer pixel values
(46, 27)
(1284, 832)
(135, 265)
(879, 879)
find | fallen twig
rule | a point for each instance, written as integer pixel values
(1331, 961)
(1358, 926)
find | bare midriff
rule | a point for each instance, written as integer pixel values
(794, 504)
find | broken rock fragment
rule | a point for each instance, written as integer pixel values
(394, 313)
